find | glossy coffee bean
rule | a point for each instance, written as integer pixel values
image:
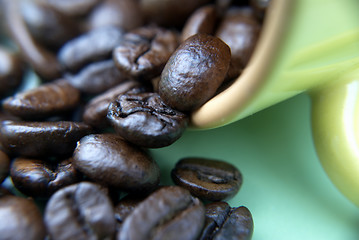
(194, 72)
(168, 213)
(144, 119)
(20, 219)
(4, 166)
(109, 160)
(203, 20)
(80, 211)
(11, 71)
(125, 14)
(208, 179)
(240, 31)
(97, 77)
(95, 113)
(90, 47)
(38, 178)
(73, 7)
(41, 139)
(126, 206)
(145, 51)
(44, 101)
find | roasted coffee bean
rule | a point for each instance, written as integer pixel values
(203, 20)
(126, 205)
(125, 14)
(44, 101)
(169, 13)
(208, 179)
(38, 139)
(40, 59)
(194, 72)
(97, 77)
(4, 166)
(80, 211)
(47, 26)
(145, 51)
(90, 47)
(40, 178)
(20, 219)
(11, 71)
(73, 7)
(168, 213)
(95, 113)
(240, 31)
(144, 119)
(109, 160)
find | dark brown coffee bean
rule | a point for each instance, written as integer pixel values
(169, 13)
(144, 119)
(109, 160)
(47, 26)
(96, 110)
(37, 139)
(97, 77)
(40, 59)
(168, 213)
(11, 71)
(80, 211)
(93, 46)
(43, 101)
(194, 72)
(208, 179)
(126, 205)
(73, 7)
(4, 166)
(145, 51)
(240, 30)
(20, 219)
(38, 178)
(203, 20)
(125, 14)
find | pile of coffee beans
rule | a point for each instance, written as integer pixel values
(116, 78)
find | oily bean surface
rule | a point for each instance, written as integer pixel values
(97, 77)
(144, 119)
(20, 219)
(108, 159)
(39, 178)
(208, 179)
(168, 213)
(92, 46)
(4, 166)
(11, 71)
(194, 72)
(145, 51)
(43, 101)
(80, 211)
(41, 139)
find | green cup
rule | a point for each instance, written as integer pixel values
(305, 46)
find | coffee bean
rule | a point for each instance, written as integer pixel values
(96, 110)
(145, 51)
(38, 139)
(240, 31)
(203, 20)
(40, 178)
(109, 160)
(168, 213)
(20, 219)
(4, 166)
(194, 72)
(126, 205)
(125, 14)
(208, 179)
(144, 119)
(73, 7)
(44, 101)
(11, 71)
(97, 77)
(80, 211)
(93, 46)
